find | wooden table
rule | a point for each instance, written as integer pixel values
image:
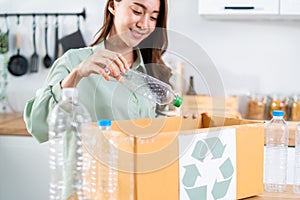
(287, 195)
(13, 124)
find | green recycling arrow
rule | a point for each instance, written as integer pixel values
(200, 151)
(197, 193)
(227, 168)
(214, 144)
(216, 147)
(190, 175)
(220, 188)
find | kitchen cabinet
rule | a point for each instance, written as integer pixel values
(289, 7)
(239, 7)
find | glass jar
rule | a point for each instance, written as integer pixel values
(279, 102)
(256, 107)
(295, 108)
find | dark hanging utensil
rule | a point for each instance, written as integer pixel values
(35, 57)
(47, 59)
(74, 40)
(18, 64)
(56, 42)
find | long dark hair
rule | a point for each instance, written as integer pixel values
(152, 48)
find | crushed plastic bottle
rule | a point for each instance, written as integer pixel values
(149, 87)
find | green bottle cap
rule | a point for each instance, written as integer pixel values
(178, 101)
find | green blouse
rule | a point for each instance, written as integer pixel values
(103, 99)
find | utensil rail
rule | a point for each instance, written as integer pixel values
(83, 14)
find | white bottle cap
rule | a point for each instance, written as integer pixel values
(69, 93)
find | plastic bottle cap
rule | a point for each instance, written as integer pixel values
(70, 93)
(104, 122)
(178, 101)
(278, 113)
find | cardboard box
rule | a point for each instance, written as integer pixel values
(164, 169)
(212, 105)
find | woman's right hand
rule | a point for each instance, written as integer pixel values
(103, 62)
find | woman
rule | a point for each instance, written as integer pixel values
(134, 36)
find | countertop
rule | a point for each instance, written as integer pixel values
(13, 124)
(287, 195)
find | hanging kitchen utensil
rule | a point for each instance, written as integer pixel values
(73, 40)
(18, 64)
(47, 59)
(56, 45)
(4, 38)
(35, 57)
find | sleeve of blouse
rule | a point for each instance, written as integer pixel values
(37, 109)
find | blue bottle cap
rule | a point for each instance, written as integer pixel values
(278, 113)
(104, 122)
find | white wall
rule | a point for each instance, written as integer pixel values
(24, 169)
(250, 55)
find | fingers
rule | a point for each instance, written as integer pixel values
(112, 61)
(121, 62)
(105, 74)
(104, 62)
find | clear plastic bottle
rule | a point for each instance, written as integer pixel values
(277, 134)
(151, 88)
(66, 154)
(109, 169)
(296, 186)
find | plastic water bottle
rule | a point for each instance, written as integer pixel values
(108, 173)
(66, 153)
(151, 88)
(296, 186)
(277, 134)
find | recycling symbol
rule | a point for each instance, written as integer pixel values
(205, 151)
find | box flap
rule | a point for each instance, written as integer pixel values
(219, 121)
(144, 128)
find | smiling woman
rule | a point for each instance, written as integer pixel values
(135, 19)
(134, 36)
(136, 22)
